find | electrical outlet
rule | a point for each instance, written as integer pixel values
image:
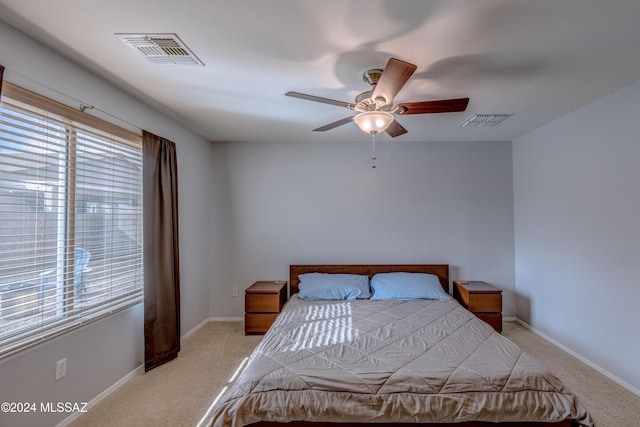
(61, 368)
(234, 291)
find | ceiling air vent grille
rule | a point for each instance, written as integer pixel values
(485, 120)
(163, 49)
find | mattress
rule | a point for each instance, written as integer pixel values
(423, 361)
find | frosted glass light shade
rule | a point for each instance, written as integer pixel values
(373, 121)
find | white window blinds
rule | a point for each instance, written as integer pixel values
(70, 219)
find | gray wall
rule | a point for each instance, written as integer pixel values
(577, 235)
(321, 203)
(272, 204)
(100, 354)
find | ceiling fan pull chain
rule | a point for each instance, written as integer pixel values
(373, 150)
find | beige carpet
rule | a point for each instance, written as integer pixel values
(180, 392)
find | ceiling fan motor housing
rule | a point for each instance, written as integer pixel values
(372, 76)
(378, 102)
(364, 101)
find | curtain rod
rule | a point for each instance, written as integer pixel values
(83, 106)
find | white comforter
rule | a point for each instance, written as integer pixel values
(402, 361)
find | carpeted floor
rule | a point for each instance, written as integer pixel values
(180, 392)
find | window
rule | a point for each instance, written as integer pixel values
(70, 219)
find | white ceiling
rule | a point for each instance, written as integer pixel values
(537, 59)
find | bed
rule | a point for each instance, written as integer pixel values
(359, 362)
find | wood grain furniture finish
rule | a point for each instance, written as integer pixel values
(482, 299)
(440, 270)
(262, 303)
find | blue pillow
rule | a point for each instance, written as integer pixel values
(406, 286)
(324, 286)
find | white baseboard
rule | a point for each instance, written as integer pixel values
(138, 371)
(194, 330)
(586, 361)
(93, 402)
(226, 319)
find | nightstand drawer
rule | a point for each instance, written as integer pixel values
(494, 319)
(262, 303)
(482, 299)
(258, 323)
(480, 303)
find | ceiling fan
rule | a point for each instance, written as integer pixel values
(375, 107)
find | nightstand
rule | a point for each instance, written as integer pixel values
(262, 302)
(482, 299)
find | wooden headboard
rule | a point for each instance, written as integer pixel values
(440, 270)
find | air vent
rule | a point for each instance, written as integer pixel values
(162, 49)
(485, 120)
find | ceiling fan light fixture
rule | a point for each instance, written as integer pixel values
(373, 122)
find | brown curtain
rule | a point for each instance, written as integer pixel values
(161, 260)
(1, 74)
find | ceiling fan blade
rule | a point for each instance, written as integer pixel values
(395, 129)
(319, 99)
(432, 107)
(334, 124)
(393, 78)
